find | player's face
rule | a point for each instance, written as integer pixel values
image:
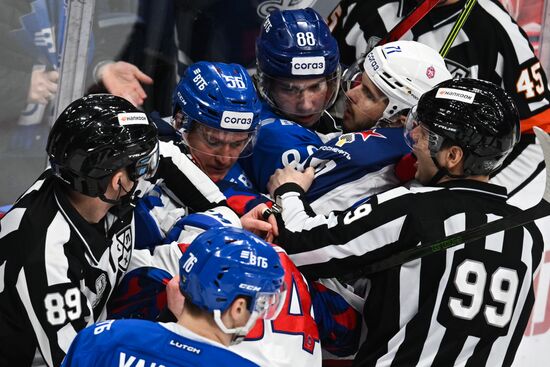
(365, 104)
(302, 101)
(214, 150)
(425, 166)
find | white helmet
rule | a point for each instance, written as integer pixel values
(403, 71)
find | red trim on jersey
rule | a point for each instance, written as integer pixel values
(541, 119)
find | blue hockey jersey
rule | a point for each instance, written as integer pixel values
(158, 210)
(132, 343)
(279, 142)
(354, 166)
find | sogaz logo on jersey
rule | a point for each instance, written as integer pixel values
(236, 120)
(132, 118)
(308, 65)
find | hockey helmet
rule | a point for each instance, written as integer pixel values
(476, 115)
(296, 44)
(224, 263)
(217, 96)
(402, 70)
(97, 135)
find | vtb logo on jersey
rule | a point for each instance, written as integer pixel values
(124, 242)
(350, 137)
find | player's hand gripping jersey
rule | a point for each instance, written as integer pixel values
(293, 339)
(279, 143)
(354, 166)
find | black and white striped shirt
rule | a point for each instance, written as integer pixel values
(467, 305)
(57, 271)
(490, 45)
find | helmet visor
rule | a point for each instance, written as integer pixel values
(301, 99)
(365, 102)
(353, 75)
(146, 167)
(268, 305)
(417, 133)
(219, 143)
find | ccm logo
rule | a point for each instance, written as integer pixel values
(249, 287)
(308, 65)
(237, 120)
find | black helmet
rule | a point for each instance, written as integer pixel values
(97, 135)
(475, 114)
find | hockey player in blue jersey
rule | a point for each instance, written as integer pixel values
(298, 75)
(216, 111)
(229, 278)
(380, 89)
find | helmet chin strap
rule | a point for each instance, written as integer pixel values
(441, 172)
(239, 333)
(124, 200)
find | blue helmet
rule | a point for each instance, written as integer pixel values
(220, 96)
(297, 55)
(224, 263)
(296, 44)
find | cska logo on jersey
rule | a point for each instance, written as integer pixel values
(123, 245)
(350, 137)
(367, 134)
(344, 139)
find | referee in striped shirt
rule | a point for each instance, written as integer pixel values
(467, 305)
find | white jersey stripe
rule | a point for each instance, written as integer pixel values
(409, 278)
(436, 332)
(43, 342)
(521, 44)
(496, 357)
(393, 347)
(57, 235)
(11, 221)
(66, 335)
(495, 241)
(360, 245)
(466, 352)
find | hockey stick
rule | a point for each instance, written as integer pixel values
(408, 22)
(464, 14)
(394, 34)
(540, 210)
